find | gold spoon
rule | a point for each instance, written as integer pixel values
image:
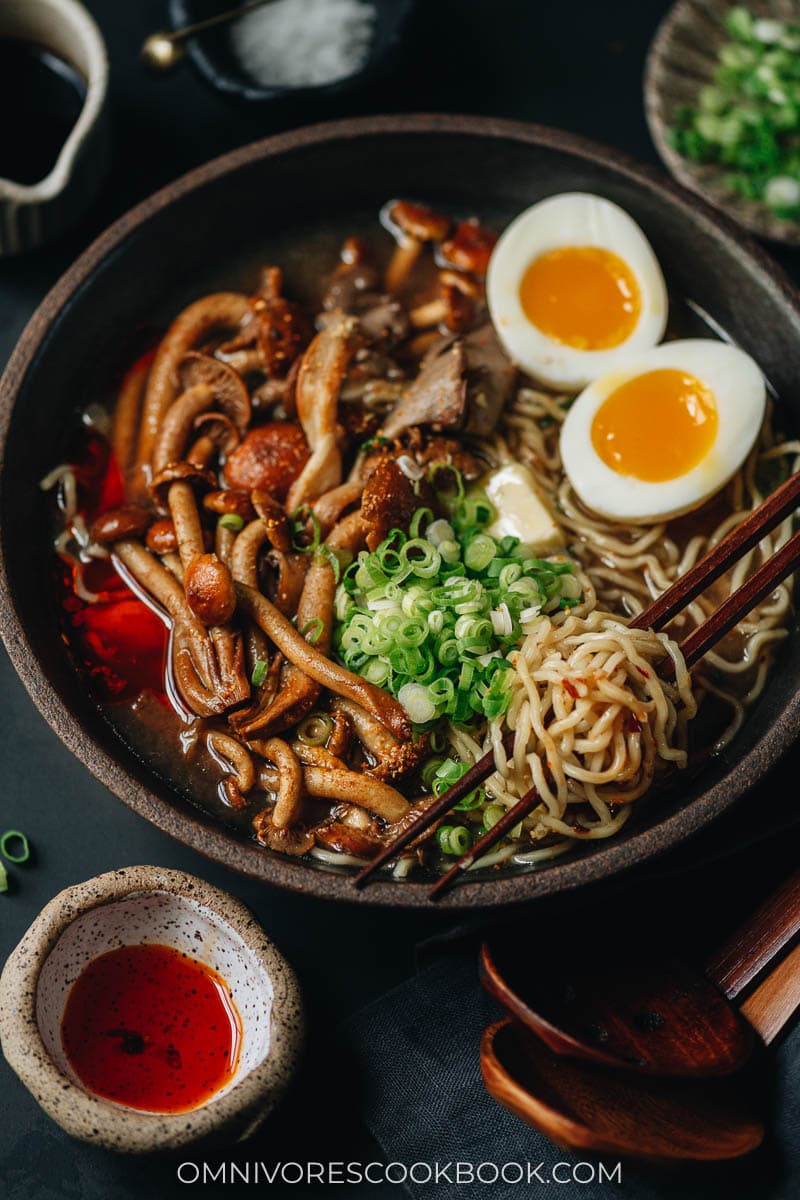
(162, 51)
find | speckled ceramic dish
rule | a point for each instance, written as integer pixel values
(218, 225)
(130, 907)
(681, 60)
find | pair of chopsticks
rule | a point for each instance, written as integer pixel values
(781, 504)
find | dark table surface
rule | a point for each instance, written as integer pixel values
(577, 66)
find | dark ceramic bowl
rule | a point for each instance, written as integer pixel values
(211, 55)
(157, 257)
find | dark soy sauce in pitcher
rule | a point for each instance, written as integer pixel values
(41, 97)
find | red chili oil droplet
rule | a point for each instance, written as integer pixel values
(120, 642)
(151, 1028)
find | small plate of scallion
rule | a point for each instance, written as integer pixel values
(722, 97)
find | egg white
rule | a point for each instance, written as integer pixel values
(740, 396)
(571, 219)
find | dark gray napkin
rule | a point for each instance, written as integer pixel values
(416, 1048)
(416, 1051)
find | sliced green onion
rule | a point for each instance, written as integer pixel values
(259, 672)
(3, 879)
(7, 839)
(312, 631)
(417, 703)
(315, 729)
(422, 514)
(232, 521)
(300, 519)
(492, 814)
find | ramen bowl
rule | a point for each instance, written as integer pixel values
(216, 226)
(133, 907)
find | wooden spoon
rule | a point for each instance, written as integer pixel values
(585, 1107)
(660, 1017)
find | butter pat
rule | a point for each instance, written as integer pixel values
(520, 511)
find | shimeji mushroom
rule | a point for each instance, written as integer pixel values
(413, 226)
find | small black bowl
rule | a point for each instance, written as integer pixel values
(212, 56)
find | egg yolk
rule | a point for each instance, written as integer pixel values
(657, 426)
(581, 296)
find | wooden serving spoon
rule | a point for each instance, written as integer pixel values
(585, 1107)
(660, 1017)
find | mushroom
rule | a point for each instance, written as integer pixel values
(161, 537)
(175, 487)
(208, 664)
(190, 329)
(438, 396)
(299, 692)
(389, 501)
(232, 754)
(351, 787)
(282, 329)
(311, 662)
(394, 758)
(125, 428)
(322, 372)
(295, 841)
(127, 521)
(269, 459)
(345, 839)
(454, 308)
(469, 248)
(329, 507)
(217, 437)
(209, 590)
(206, 382)
(414, 224)
(289, 801)
(229, 501)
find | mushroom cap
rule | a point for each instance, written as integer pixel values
(129, 520)
(220, 429)
(419, 221)
(227, 385)
(209, 590)
(229, 500)
(180, 472)
(470, 247)
(161, 536)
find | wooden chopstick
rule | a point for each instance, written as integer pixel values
(747, 534)
(777, 506)
(461, 788)
(509, 819)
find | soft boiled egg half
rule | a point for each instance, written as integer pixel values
(573, 288)
(660, 435)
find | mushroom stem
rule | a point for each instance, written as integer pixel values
(290, 782)
(330, 506)
(427, 315)
(221, 310)
(234, 754)
(186, 519)
(321, 669)
(178, 423)
(350, 787)
(154, 578)
(126, 414)
(402, 263)
(244, 555)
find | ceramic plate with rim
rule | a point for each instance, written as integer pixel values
(681, 60)
(245, 206)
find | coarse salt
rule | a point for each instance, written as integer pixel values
(303, 43)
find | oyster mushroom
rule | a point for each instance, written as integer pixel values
(394, 758)
(414, 225)
(299, 691)
(350, 787)
(322, 372)
(289, 801)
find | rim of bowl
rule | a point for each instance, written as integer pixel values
(85, 27)
(126, 1129)
(200, 831)
(705, 179)
(241, 87)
